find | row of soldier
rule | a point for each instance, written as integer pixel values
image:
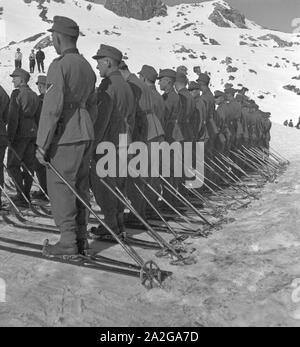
(70, 118)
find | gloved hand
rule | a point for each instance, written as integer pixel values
(40, 155)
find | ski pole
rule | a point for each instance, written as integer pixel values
(28, 171)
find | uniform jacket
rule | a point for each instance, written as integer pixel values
(40, 56)
(200, 122)
(23, 106)
(188, 115)
(210, 107)
(173, 109)
(144, 107)
(116, 104)
(4, 106)
(69, 108)
(159, 106)
(220, 120)
(234, 119)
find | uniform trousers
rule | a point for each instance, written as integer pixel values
(25, 148)
(72, 161)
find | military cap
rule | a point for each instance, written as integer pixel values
(228, 85)
(123, 65)
(239, 97)
(181, 77)
(149, 72)
(41, 79)
(65, 25)
(267, 114)
(182, 69)
(203, 78)
(167, 73)
(194, 86)
(21, 73)
(231, 91)
(218, 94)
(106, 51)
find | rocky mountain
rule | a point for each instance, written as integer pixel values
(211, 34)
(138, 9)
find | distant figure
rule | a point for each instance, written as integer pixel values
(291, 124)
(286, 123)
(298, 124)
(18, 59)
(40, 57)
(32, 61)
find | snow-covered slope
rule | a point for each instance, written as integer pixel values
(263, 60)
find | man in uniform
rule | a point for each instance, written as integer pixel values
(144, 131)
(209, 101)
(172, 129)
(267, 126)
(4, 105)
(65, 136)
(234, 118)
(40, 169)
(22, 131)
(149, 75)
(223, 138)
(201, 133)
(208, 98)
(116, 105)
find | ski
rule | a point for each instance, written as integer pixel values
(80, 261)
(25, 224)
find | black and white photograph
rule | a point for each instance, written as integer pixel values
(149, 166)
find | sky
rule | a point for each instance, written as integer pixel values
(273, 14)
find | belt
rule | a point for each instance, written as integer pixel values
(74, 106)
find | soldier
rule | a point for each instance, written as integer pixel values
(4, 105)
(167, 79)
(201, 133)
(172, 129)
(149, 75)
(251, 121)
(234, 117)
(208, 98)
(144, 131)
(22, 131)
(65, 136)
(40, 169)
(241, 99)
(267, 125)
(116, 104)
(189, 111)
(223, 138)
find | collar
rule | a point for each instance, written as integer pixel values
(114, 73)
(71, 51)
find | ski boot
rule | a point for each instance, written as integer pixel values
(83, 246)
(19, 201)
(60, 250)
(102, 234)
(39, 195)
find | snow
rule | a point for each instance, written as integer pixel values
(149, 42)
